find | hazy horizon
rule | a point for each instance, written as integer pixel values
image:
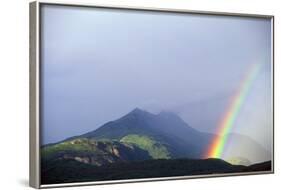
(99, 64)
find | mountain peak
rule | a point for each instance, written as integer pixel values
(137, 110)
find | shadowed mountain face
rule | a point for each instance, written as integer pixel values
(152, 145)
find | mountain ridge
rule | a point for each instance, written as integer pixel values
(182, 140)
(162, 135)
(140, 145)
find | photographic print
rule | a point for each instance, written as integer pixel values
(128, 94)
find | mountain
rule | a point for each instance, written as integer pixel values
(137, 136)
(159, 136)
(140, 145)
(166, 128)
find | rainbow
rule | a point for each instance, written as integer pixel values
(226, 123)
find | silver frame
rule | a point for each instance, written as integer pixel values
(34, 97)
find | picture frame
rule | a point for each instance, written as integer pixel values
(37, 95)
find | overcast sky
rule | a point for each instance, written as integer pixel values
(99, 64)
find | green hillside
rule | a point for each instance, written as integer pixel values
(78, 145)
(154, 148)
(94, 152)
